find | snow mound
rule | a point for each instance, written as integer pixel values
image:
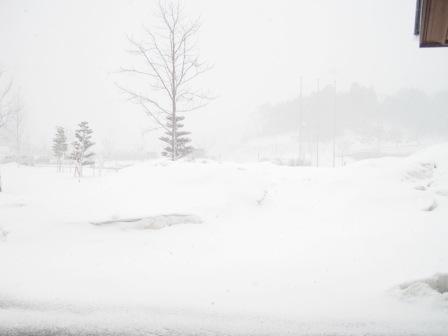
(422, 171)
(433, 290)
(152, 222)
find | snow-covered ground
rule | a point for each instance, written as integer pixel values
(263, 249)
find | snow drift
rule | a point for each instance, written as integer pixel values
(278, 250)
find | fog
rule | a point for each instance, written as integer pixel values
(222, 167)
(64, 59)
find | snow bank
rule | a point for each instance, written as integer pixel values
(431, 291)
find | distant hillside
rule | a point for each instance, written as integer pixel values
(408, 113)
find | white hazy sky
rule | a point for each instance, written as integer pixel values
(63, 55)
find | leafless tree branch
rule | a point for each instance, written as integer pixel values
(5, 101)
(170, 55)
(136, 96)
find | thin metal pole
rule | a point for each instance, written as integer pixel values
(300, 122)
(334, 126)
(317, 123)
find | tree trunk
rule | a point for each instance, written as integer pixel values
(174, 94)
(174, 133)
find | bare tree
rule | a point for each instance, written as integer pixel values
(5, 101)
(5, 106)
(170, 65)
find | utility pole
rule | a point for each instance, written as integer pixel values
(334, 126)
(317, 123)
(300, 123)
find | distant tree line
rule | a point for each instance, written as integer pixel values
(409, 113)
(11, 111)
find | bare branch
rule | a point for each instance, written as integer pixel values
(6, 90)
(163, 15)
(152, 65)
(159, 52)
(199, 70)
(5, 104)
(141, 101)
(133, 96)
(153, 116)
(132, 70)
(197, 107)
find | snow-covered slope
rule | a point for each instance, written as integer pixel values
(271, 249)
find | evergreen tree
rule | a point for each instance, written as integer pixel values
(60, 146)
(81, 154)
(181, 138)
